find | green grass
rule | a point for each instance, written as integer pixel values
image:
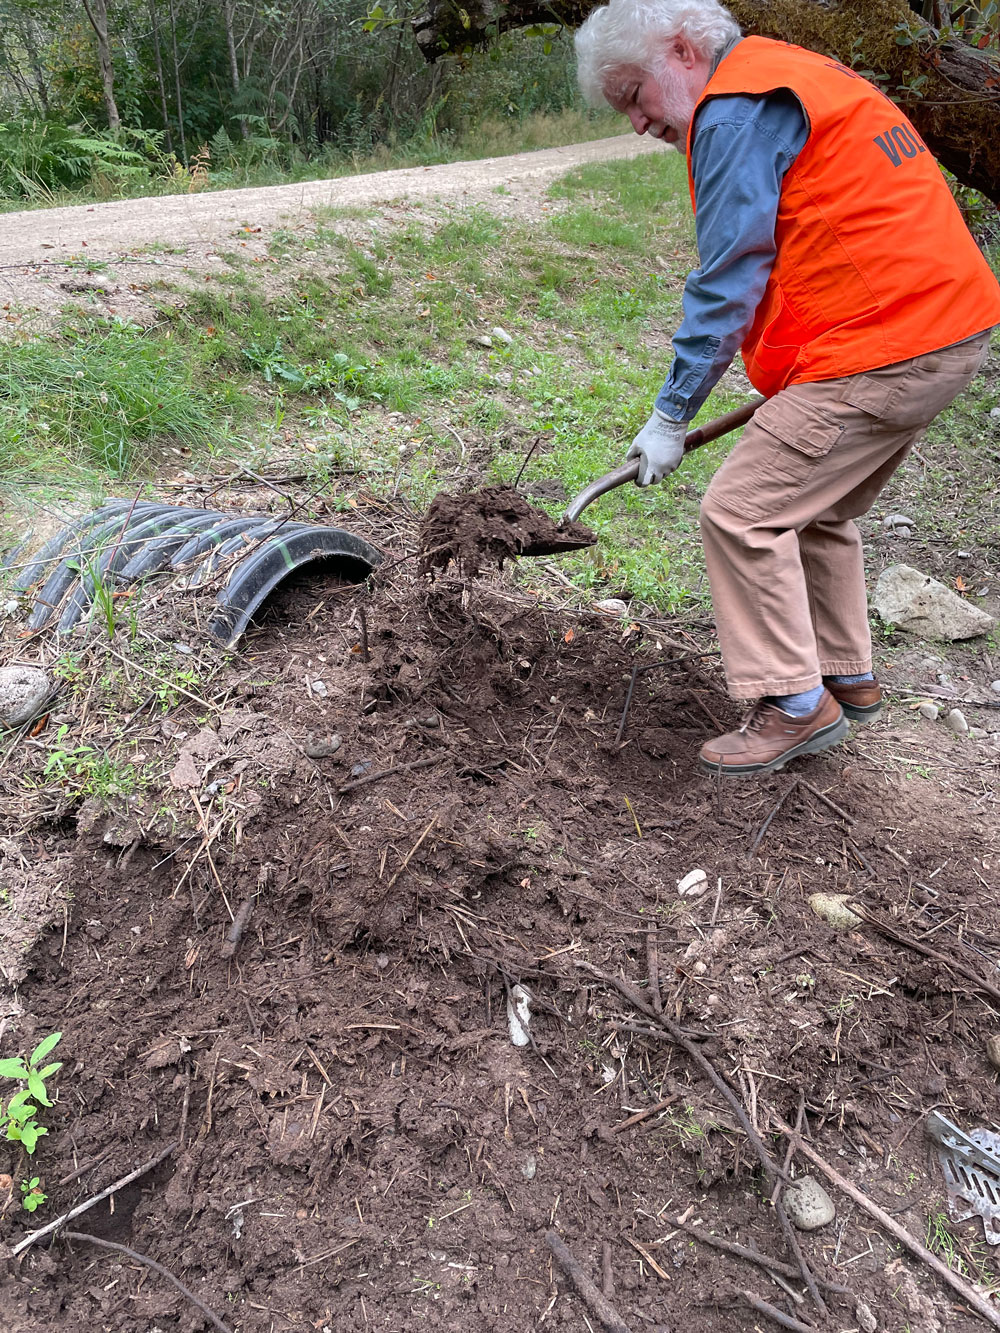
(353, 327)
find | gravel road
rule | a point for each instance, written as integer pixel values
(200, 221)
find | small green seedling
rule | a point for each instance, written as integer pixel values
(17, 1115)
(33, 1197)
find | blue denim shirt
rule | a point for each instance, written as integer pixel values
(743, 145)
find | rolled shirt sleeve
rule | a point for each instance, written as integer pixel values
(743, 145)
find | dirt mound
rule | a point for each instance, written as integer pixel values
(477, 530)
(414, 799)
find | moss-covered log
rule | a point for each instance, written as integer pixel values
(949, 89)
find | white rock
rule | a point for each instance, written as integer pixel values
(808, 1205)
(501, 335)
(995, 413)
(893, 522)
(612, 606)
(484, 340)
(955, 721)
(929, 711)
(832, 908)
(995, 687)
(693, 885)
(977, 733)
(519, 1015)
(915, 602)
(24, 691)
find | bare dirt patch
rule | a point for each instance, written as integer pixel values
(358, 1142)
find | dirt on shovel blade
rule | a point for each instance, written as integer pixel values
(482, 528)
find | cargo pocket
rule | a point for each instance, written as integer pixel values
(779, 456)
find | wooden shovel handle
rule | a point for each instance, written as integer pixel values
(712, 430)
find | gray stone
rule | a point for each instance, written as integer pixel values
(316, 748)
(995, 686)
(915, 602)
(612, 606)
(928, 710)
(955, 721)
(866, 1320)
(995, 413)
(808, 1205)
(24, 691)
(501, 335)
(895, 522)
(993, 1051)
(484, 340)
(977, 733)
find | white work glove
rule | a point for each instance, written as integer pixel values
(659, 447)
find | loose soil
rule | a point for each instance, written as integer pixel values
(477, 529)
(359, 1144)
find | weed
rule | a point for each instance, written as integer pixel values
(17, 1114)
(32, 1196)
(87, 771)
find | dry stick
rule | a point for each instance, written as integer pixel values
(607, 1273)
(753, 1256)
(416, 846)
(645, 1113)
(767, 822)
(89, 1203)
(785, 1320)
(235, 932)
(967, 972)
(774, 1172)
(821, 796)
(957, 1284)
(157, 1268)
(654, 969)
(599, 1305)
(384, 773)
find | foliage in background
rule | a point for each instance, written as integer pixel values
(216, 92)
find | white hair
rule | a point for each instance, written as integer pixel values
(630, 34)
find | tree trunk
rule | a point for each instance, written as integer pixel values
(234, 64)
(160, 81)
(949, 89)
(97, 13)
(177, 83)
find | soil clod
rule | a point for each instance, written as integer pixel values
(477, 529)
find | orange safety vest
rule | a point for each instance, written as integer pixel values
(874, 263)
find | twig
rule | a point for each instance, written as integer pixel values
(654, 969)
(831, 805)
(607, 1273)
(89, 1203)
(384, 773)
(416, 846)
(785, 1320)
(157, 1268)
(638, 671)
(527, 459)
(957, 1284)
(235, 932)
(589, 1293)
(752, 1256)
(967, 972)
(641, 1249)
(363, 619)
(645, 1113)
(767, 822)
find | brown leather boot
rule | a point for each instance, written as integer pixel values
(861, 702)
(769, 738)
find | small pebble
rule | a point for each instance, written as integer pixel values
(928, 710)
(866, 1320)
(612, 606)
(995, 413)
(955, 721)
(993, 1052)
(484, 340)
(359, 770)
(976, 733)
(317, 748)
(318, 688)
(431, 720)
(693, 885)
(501, 335)
(995, 686)
(808, 1205)
(529, 1168)
(893, 522)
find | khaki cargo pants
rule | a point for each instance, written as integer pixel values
(783, 555)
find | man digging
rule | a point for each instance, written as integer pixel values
(833, 255)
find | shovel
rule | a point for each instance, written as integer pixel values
(712, 430)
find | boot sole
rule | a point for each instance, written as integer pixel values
(821, 740)
(861, 713)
